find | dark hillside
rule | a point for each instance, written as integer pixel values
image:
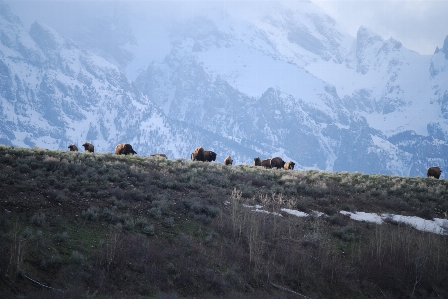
(78, 225)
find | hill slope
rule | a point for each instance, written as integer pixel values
(101, 225)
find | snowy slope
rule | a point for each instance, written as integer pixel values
(55, 93)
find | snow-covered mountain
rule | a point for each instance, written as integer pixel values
(281, 79)
(54, 93)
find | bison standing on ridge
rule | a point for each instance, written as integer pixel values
(434, 171)
(73, 148)
(289, 165)
(265, 163)
(228, 161)
(124, 149)
(277, 162)
(209, 156)
(88, 147)
(198, 154)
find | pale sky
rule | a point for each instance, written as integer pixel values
(420, 25)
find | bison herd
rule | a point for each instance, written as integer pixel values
(200, 154)
(276, 162)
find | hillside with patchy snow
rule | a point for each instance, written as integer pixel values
(280, 80)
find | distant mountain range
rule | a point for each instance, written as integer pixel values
(280, 80)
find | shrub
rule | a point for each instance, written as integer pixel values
(148, 230)
(204, 219)
(27, 233)
(425, 213)
(330, 210)
(155, 212)
(121, 204)
(91, 213)
(38, 219)
(61, 198)
(24, 168)
(109, 215)
(77, 258)
(51, 261)
(203, 209)
(128, 221)
(168, 222)
(345, 233)
(338, 219)
(60, 237)
(141, 222)
(323, 202)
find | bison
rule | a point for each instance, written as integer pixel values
(88, 147)
(277, 162)
(159, 156)
(124, 149)
(434, 171)
(198, 154)
(228, 161)
(289, 165)
(73, 148)
(209, 156)
(265, 163)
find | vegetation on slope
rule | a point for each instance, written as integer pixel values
(79, 225)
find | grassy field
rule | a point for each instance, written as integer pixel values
(79, 225)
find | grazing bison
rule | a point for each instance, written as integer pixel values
(228, 161)
(265, 163)
(159, 156)
(434, 171)
(73, 148)
(289, 165)
(198, 154)
(124, 149)
(88, 147)
(209, 156)
(277, 162)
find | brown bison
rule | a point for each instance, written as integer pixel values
(434, 171)
(198, 154)
(228, 161)
(73, 148)
(265, 163)
(124, 149)
(277, 162)
(88, 147)
(159, 156)
(289, 165)
(209, 156)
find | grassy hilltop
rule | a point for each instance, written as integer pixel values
(78, 225)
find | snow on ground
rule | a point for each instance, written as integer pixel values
(295, 212)
(436, 226)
